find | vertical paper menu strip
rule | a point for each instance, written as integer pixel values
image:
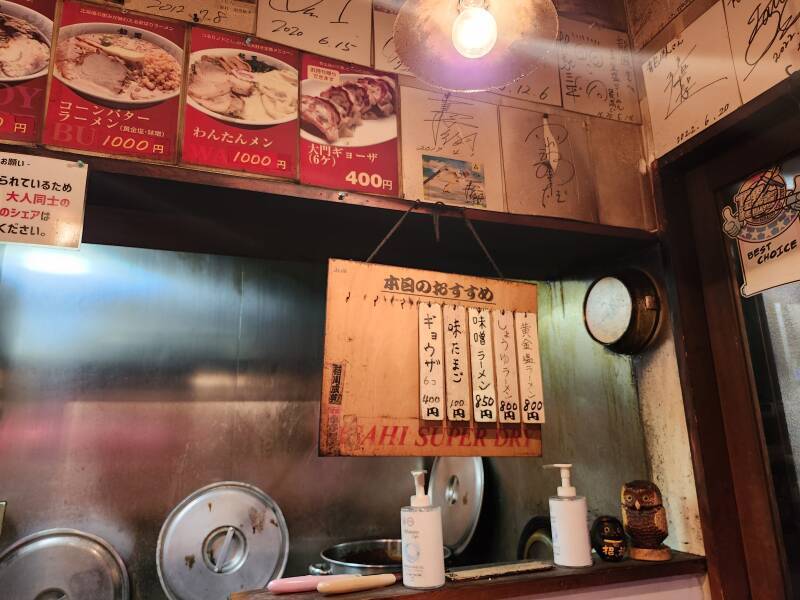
(256, 131)
(25, 87)
(597, 76)
(340, 29)
(431, 362)
(237, 15)
(530, 368)
(456, 351)
(484, 396)
(131, 112)
(691, 82)
(505, 360)
(764, 38)
(451, 150)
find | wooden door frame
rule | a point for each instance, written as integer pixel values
(739, 517)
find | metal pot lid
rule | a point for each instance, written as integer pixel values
(61, 564)
(223, 538)
(457, 486)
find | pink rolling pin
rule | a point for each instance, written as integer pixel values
(305, 583)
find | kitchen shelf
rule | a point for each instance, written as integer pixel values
(558, 579)
(185, 209)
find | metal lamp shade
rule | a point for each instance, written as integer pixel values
(526, 32)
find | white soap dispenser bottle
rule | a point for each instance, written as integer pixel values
(569, 520)
(421, 530)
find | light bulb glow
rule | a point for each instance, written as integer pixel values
(474, 32)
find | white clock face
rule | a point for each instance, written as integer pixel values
(608, 311)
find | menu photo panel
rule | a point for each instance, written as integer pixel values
(116, 84)
(24, 64)
(241, 104)
(348, 127)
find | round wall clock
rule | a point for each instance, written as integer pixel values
(621, 311)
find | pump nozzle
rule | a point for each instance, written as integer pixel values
(565, 490)
(420, 498)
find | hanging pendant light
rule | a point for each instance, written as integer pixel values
(474, 45)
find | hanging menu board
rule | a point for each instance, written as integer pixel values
(28, 26)
(451, 150)
(691, 82)
(384, 14)
(348, 121)
(335, 28)
(42, 200)
(765, 39)
(394, 383)
(597, 76)
(547, 165)
(241, 104)
(116, 84)
(238, 15)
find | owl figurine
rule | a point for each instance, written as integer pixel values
(645, 521)
(608, 539)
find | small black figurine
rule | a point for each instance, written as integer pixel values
(608, 539)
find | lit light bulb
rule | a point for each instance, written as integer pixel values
(474, 30)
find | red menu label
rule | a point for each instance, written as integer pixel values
(28, 27)
(116, 83)
(348, 127)
(241, 105)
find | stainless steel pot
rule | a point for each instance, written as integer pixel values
(366, 557)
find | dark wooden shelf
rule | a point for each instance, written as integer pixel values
(185, 209)
(558, 579)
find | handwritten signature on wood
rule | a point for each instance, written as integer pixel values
(770, 22)
(452, 127)
(306, 7)
(550, 153)
(681, 84)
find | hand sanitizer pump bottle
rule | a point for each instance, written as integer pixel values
(569, 522)
(421, 528)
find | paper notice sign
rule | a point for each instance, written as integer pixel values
(41, 200)
(764, 219)
(765, 39)
(24, 82)
(505, 360)
(251, 128)
(108, 106)
(238, 15)
(691, 82)
(386, 58)
(431, 362)
(597, 76)
(484, 396)
(547, 165)
(348, 121)
(456, 351)
(451, 150)
(339, 29)
(530, 368)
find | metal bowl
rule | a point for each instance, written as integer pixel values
(366, 557)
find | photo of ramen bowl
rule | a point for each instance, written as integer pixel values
(118, 65)
(244, 88)
(25, 37)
